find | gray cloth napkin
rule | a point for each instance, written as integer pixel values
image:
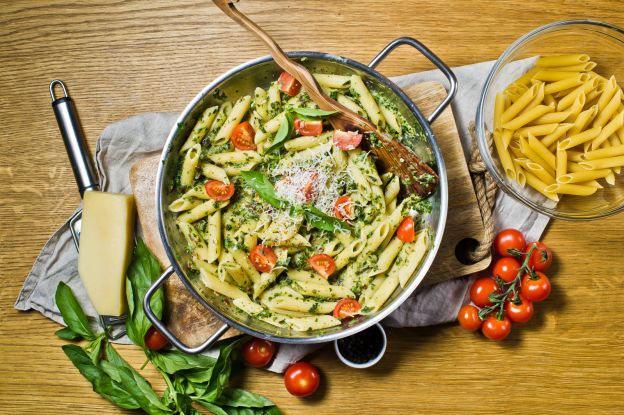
(126, 141)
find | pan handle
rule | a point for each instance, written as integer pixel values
(165, 331)
(448, 73)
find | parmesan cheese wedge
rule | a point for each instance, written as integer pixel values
(106, 238)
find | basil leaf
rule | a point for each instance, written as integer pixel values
(221, 371)
(324, 222)
(313, 112)
(242, 398)
(142, 272)
(283, 133)
(176, 361)
(211, 407)
(72, 313)
(67, 334)
(261, 184)
(142, 391)
(271, 410)
(94, 349)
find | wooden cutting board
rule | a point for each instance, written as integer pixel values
(193, 324)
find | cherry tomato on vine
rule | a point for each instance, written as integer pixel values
(302, 379)
(258, 352)
(495, 329)
(519, 313)
(154, 340)
(480, 291)
(509, 239)
(535, 290)
(468, 318)
(506, 268)
(541, 258)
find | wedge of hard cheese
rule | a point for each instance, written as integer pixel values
(106, 237)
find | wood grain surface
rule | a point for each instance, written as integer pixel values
(120, 58)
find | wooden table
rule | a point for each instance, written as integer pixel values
(121, 58)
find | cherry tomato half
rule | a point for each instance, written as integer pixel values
(468, 318)
(243, 136)
(302, 379)
(506, 268)
(541, 258)
(347, 140)
(509, 239)
(323, 264)
(219, 191)
(288, 84)
(305, 127)
(263, 258)
(405, 232)
(258, 352)
(343, 208)
(308, 190)
(535, 290)
(347, 307)
(480, 291)
(154, 340)
(495, 329)
(519, 313)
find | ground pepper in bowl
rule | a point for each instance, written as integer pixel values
(362, 347)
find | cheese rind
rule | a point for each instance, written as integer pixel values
(106, 239)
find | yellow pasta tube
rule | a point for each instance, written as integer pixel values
(584, 119)
(506, 137)
(567, 83)
(576, 108)
(610, 178)
(559, 132)
(549, 100)
(583, 176)
(539, 97)
(615, 124)
(571, 189)
(581, 67)
(526, 117)
(540, 186)
(580, 138)
(541, 150)
(537, 170)
(520, 176)
(561, 162)
(503, 156)
(499, 107)
(607, 112)
(610, 89)
(562, 60)
(552, 75)
(537, 130)
(575, 156)
(526, 149)
(613, 151)
(552, 117)
(191, 158)
(519, 105)
(605, 163)
(584, 88)
(526, 78)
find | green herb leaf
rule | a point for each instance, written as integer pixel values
(261, 184)
(67, 334)
(142, 392)
(271, 410)
(242, 398)
(142, 272)
(221, 372)
(72, 313)
(216, 410)
(313, 112)
(324, 222)
(175, 361)
(283, 133)
(94, 349)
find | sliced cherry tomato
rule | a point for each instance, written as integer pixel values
(347, 307)
(495, 329)
(323, 264)
(288, 84)
(509, 239)
(308, 127)
(519, 313)
(154, 340)
(258, 352)
(308, 188)
(263, 258)
(219, 191)
(469, 318)
(405, 232)
(243, 136)
(347, 140)
(343, 208)
(302, 379)
(480, 291)
(535, 290)
(506, 268)
(541, 258)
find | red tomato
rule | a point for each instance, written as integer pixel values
(154, 340)
(308, 188)
(323, 264)
(347, 140)
(288, 84)
(302, 379)
(495, 329)
(541, 258)
(219, 191)
(469, 318)
(347, 307)
(405, 232)
(263, 258)
(243, 136)
(506, 268)
(509, 239)
(305, 127)
(258, 352)
(343, 208)
(480, 291)
(535, 290)
(519, 313)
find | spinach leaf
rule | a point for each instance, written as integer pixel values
(142, 272)
(72, 313)
(242, 398)
(284, 132)
(67, 334)
(261, 184)
(313, 112)
(322, 221)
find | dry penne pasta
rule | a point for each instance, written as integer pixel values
(571, 189)
(562, 60)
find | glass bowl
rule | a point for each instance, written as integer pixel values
(604, 43)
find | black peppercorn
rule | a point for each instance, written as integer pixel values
(363, 346)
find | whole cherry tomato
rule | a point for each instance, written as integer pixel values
(495, 329)
(541, 258)
(480, 291)
(154, 340)
(509, 239)
(302, 379)
(469, 318)
(506, 268)
(519, 313)
(535, 290)
(258, 352)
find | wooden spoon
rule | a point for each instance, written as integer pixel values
(414, 173)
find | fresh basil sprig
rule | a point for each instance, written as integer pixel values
(286, 129)
(322, 221)
(74, 317)
(261, 184)
(313, 112)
